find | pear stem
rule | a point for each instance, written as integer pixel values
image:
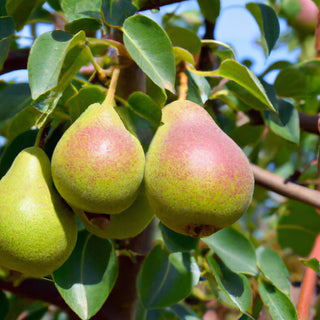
(108, 101)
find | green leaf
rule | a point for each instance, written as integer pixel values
(286, 123)
(301, 81)
(175, 312)
(181, 54)
(7, 27)
(278, 304)
(158, 94)
(79, 9)
(87, 24)
(240, 74)
(268, 23)
(4, 306)
(86, 279)
(220, 49)
(165, 278)
(246, 97)
(183, 312)
(235, 286)
(193, 93)
(145, 107)
(47, 57)
(312, 263)
(156, 60)
(202, 84)
(23, 121)
(277, 65)
(274, 269)
(176, 242)
(234, 249)
(86, 96)
(300, 221)
(184, 38)
(116, 11)
(14, 97)
(210, 9)
(22, 10)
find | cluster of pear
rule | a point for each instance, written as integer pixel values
(194, 178)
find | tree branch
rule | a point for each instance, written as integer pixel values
(290, 190)
(155, 4)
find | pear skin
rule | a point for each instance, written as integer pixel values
(38, 231)
(198, 180)
(126, 224)
(98, 165)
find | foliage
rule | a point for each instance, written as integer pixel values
(245, 270)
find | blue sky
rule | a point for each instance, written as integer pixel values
(235, 27)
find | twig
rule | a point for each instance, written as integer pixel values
(308, 285)
(273, 182)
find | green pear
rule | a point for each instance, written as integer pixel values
(197, 179)
(98, 165)
(38, 231)
(126, 224)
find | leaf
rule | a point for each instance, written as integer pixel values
(7, 27)
(158, 94)
(274, 269)
(22, 10)
(14, 97)
(268, 23)
(286, 124)
(176, 242)
(235, 286)
(4, 306)
(300, 221)
(246, 97)
(46, 59)
(202, 84)
(23, 121)
(86, 279)
(145, 107)
(165, 278)
(86, 96)
(87, 24)
(156, 60)
(193, 93)
(220, 49)
(181, 54)
(116, 11)
(184, 38)
(183, 312)
(278, 304)
(276, 65)
(210, 9)
(312, 263)
(79, 9)
(175, 312)
(240, 74)
(300, 81)
(234, 249)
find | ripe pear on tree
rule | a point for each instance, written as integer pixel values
(126, 224)
(98, 165)
(38, 231)
(197, 179)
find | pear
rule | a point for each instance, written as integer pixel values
(198, 180)
(98, 165)
(126, 224)
(38, 231)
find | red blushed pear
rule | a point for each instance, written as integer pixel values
(198, 180)
(98, 165)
